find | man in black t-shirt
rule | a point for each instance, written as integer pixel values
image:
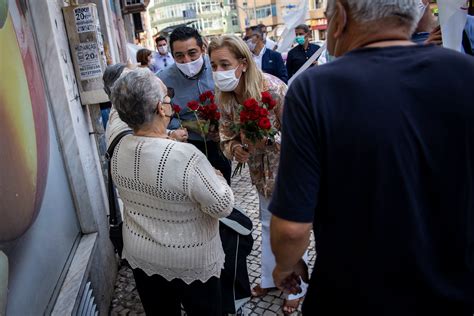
(298, 55)
(377, 157)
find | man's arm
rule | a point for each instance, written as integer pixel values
(295, 196)
(289, 241)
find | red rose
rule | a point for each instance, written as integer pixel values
(212, 107)
(203, 97)
(250, 104)
(263, 112)
(193, 105)
(211, 98)
(176, 108)
(272, 104)
(266, 97)
(209, 94)
(244, 116)
(217, 116)
(253, 116)
(264, 123)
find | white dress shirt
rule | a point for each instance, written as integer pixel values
(161, 62)
(258, 59)
(270, 44)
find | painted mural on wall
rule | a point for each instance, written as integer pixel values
(24, 154)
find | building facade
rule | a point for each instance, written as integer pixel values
(210, 17)
(55, 254)
(271, 13)
(317, 19)
(216, 17)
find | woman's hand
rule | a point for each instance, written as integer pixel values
(251, 147)
(240, 154)
(180, 134)
(435, 37)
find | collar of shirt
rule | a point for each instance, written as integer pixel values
(159, 56)
(270, 44)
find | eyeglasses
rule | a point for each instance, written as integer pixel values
(163, 103)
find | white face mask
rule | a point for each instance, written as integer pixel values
(163, 49)
(192, 68)
(225, 80)
(251, 45)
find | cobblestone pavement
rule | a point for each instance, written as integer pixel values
(127, 302)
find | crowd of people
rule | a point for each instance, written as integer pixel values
(373, 151)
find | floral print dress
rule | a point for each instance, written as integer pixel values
(263, 163)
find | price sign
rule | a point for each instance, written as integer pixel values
(84, 20)
(88, 58)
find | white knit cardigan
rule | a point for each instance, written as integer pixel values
(172, 200)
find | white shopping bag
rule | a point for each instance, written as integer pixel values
(452, 18)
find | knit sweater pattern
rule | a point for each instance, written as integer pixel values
(172, 201)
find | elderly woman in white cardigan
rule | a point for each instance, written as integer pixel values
(172, 199)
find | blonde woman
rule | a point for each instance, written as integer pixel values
(237, 79)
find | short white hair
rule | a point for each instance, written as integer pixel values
(135, 96)
(364, 11)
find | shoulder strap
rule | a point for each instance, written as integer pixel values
(466, 43)
(114, 217)
(115, 141)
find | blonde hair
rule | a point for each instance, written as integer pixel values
(253, 77)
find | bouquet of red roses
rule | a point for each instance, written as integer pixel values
(254, 121)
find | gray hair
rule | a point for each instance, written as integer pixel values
(257, 30)
(364, 11)
(135, 96)
(111, 74)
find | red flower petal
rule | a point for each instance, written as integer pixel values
(193, 105)
(176, 108)
(271, 104)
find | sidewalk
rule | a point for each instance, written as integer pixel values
(127, 302)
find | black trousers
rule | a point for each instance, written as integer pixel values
(215, 157)
(162, 297)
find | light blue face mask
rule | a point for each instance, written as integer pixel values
(300, 39)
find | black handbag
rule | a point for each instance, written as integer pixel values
(115, 219)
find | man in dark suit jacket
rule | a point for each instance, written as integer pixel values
(267, 60)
